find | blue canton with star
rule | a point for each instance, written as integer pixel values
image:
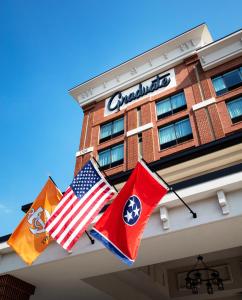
(85, 180)
(132, 210)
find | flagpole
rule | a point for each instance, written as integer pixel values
(53, 181)
(172, 190)
(90, 238)
(107, 177)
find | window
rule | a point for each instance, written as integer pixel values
(171, 105)
(111, 130)
(228, 81)
(111, 157)
(140, 146)
(235, 109)
(175, 133)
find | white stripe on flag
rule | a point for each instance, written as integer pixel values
(62, 201)
(74, 209)
(85, 220)
(83, 211)
(64, 207)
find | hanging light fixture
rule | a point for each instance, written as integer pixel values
(200, 274)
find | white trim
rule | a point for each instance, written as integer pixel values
(220, 40)
(221, 51)
(139, 129)
(203, 103)
(203, 190)
(84, 151)
(221, 60)
(5, 248)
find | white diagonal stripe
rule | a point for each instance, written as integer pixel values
(57, 218)
(63, 200)
(73, 210)
(86, 219)
(80, 214)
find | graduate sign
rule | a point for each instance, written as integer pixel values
(120, 100)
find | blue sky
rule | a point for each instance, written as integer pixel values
(49, 46)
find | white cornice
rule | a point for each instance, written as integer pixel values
(142, 67)
(221, 51)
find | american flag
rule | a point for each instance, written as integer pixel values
(83, 199)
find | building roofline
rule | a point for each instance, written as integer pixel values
(219, 40)
(136, 56)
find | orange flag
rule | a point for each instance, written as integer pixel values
(30, 238)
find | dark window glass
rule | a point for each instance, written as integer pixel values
(235, 109)
(227, 81)
(111, 130)
(111, 157)
(171, 105)
(175, 133)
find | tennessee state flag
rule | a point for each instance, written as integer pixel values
(121, 226)
(30, 237)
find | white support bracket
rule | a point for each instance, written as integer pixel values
(223, 203)
(164, 217)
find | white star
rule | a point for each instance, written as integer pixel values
(128, 216)
(136, 211)
(131, 203)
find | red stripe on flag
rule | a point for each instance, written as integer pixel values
(59, 207)
(67, 212)
(89, 221)
(57, 214)
(77, 223)
(72, 216)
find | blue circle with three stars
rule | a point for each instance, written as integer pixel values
(132, 210)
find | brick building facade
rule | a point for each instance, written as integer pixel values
(179, 106)
(207, 111)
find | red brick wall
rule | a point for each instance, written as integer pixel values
(208, 123)
(12, 288)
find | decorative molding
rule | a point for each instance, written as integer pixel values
(192, 43)
(148, 64)
(203, 61)
(221, 51)
(133, 71)
(223, 202)
(140, 129)
(164, 217)
(203, 104)
(84, 151)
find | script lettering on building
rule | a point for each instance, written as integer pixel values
(120, 100)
